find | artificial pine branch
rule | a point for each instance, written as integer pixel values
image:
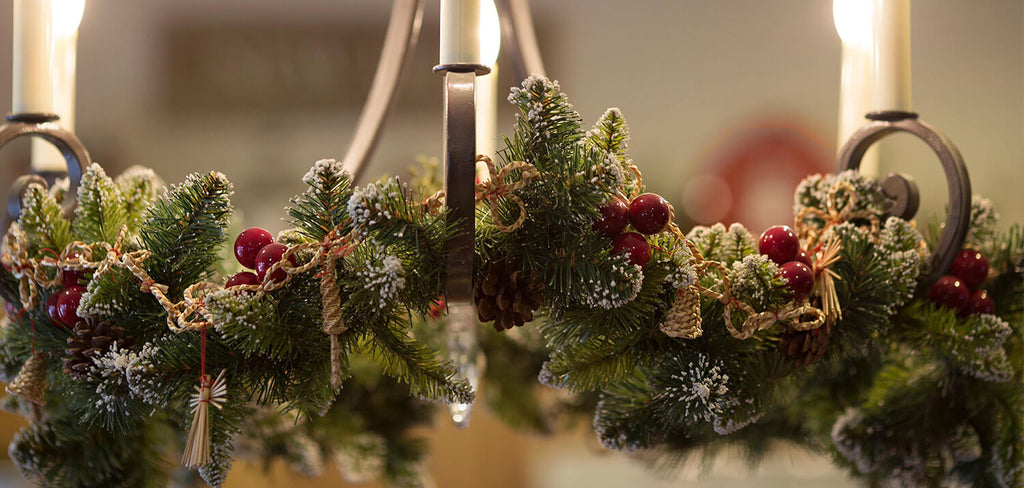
(184, 228)
(43, 221)
(101, 211)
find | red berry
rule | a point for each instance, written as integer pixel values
(614, 217)
(67, 305)
(780, 244)
(970, 266)
(799, 279)
(949, 292)
(438, 307)
(637, 246)
(74, 277)
(242, 278)
(51, 307)
(803, 257)
(649, 213)
(248, 245)
(980, 303)
(270, 254)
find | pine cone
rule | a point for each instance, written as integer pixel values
(88, 341)
(805, 347)
(508, 295)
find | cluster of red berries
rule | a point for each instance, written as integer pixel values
(782, 246)
(255, 249)
(62, 306)
(648, 213)
(970, 269)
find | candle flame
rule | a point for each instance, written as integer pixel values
(490, 33)
(67, 15)
(853, 19)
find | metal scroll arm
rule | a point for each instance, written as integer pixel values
(901, 191)
(45, 126)
(517, 33)
(399, 43)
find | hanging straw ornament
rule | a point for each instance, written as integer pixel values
(823, 269)
(197, 446)
(30, 383)
(683, 319)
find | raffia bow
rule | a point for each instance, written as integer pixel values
(497, 187)
(820, 241)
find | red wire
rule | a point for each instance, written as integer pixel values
(202, 354)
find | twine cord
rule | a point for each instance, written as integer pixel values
(499, 186)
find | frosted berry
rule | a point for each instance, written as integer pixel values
(803, 257)
(51, 307)
(248, 245)
(243, 278)
(67, 305)
(270, 254)
(637, 246)
(780, 244)
(799, 279)
(949, 292)
(649, 213)
(971, 267)
(614, 217)
(980, 303)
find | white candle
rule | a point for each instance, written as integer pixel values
(33, 49)
(891, 56)
(460, 27)
(46, 45)
(853, 20)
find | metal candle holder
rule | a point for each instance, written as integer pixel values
(45, 126)
(900, 191)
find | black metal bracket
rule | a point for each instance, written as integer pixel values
(459, 178)
(901, 192)
(74, 152)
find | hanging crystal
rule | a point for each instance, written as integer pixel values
(464, 352)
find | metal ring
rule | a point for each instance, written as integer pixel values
(459, 179)
(957, 181)
(74, 152)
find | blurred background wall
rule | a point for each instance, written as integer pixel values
(730, 103)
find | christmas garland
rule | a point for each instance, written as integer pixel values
(676, 344)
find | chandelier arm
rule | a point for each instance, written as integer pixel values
(399, 44)
(958, 182)
(74, 152)
(518, 34)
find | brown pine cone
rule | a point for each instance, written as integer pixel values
(88, 341)
(507, 295)
(805, 347)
